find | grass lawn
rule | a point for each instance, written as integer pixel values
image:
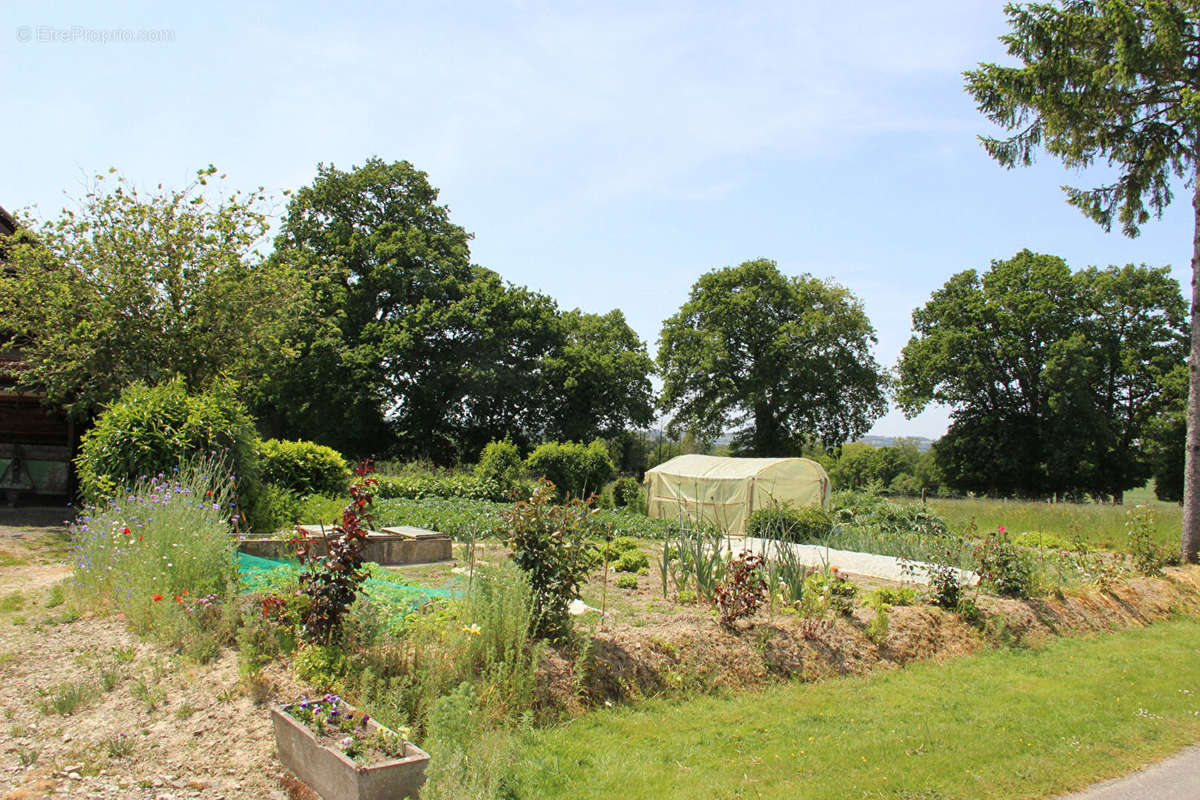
(1101, 526)
(1001, 724)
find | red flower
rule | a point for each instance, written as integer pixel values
(140, 538)
(156, 598)
(126, 531)
(178, 599)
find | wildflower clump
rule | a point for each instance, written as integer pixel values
(167, 536)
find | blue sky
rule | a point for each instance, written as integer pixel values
(606, 154)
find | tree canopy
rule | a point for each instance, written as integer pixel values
(780, 360)
(1115, 82)
(420, 353)
(1050, 376)
(146, 286)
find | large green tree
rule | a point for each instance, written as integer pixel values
(599, 378)
(146, 286)
(1050, 376)
(418, 352)
(376, 374)
(780, 360)
(1117, 82)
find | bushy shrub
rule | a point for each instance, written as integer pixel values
(627, 582)
(1003, 567)
(153, 429)
(790, 524)
(631, 561)
(627, 493)
(500, 463)
(1046, 541)
(742, 590)
(575, 469)
(830, 590)
(549, 544)
(867, 510)
(304, 468)
(276, 509)
(415, 486)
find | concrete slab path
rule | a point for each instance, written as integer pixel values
(869, 564)
(1176, 778)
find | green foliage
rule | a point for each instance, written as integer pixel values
(867, 510)
(891, 596)
(631, 561)
(627, 582)
(140, 287)
(1043, 540)
(627, 493)
(1166, 436)
(304, 468)
(547, 543)
(448, 484)
(153, 429)
(500, 464)
(601, 378)
(789, 524)
(418, 353)
(1148, 556)
(276, 508)
(575, 469)
(830, 589)
(1050, 375)
(1003, 567)
(696, 558)
(779, 359)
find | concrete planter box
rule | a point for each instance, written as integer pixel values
(389, 547)
(329, 773)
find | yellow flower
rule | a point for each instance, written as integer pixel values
(472, 629)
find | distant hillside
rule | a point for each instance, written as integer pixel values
(923, 443)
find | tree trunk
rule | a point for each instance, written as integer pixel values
(1191, 469)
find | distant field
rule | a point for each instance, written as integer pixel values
(1099, 525)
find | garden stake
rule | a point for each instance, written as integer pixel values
(604, 590)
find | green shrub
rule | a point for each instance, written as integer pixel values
(500, 463)
(830, 590)
(154, 429)
(548, 543)
(304, 468)
(631, 561)
(415, 486)
(627, 582)
(277, 508)
(1003, 567)
(892, 596)
(805, 524)
(576, 470)
(627, 493)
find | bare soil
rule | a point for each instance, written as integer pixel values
(167, 728)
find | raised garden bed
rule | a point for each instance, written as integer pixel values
(328, 768)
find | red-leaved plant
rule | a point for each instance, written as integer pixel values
(743, 590)
(333, 578)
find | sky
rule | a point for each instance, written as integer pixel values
(604, 153)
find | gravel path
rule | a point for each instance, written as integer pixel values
(868, 564)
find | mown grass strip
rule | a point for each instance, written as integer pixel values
(1001, 724)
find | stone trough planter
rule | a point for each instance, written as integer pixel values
(389, 547)
(334, 776)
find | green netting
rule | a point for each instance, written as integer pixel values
(259, 573)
